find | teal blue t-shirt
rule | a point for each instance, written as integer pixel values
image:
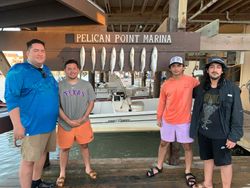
(35, 92)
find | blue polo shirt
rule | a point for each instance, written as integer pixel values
(35, 93)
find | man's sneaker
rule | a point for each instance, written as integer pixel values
(44, 184)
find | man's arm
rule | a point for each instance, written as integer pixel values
(236, 119)
(19, 130)
(72, 123)
(88, 111)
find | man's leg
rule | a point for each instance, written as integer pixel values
(38, 167)
(64, 156)
(25, 173)
(226, 175)
(162, 153)
(188, 156)
(208, 173)
(86, 157)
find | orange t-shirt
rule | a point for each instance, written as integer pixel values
(175, 100)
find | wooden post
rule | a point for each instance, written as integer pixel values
(143, 79)
(92, 79)
(102, 77)
(157, 84)
(173, 152)
(106, 74)
(4, 64)
(132, 78)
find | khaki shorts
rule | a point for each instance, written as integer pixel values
(34, 146)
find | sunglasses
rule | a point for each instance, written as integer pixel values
(42, 72)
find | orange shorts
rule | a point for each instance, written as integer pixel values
(82, 135)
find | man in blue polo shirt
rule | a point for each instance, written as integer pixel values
(31, 95)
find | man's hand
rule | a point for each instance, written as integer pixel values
(159, 123)
(230, 144)
(74, 123)
(19, 132)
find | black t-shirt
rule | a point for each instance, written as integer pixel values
(210, 124)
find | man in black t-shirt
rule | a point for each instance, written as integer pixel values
(217, 120)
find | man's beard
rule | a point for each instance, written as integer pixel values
(214, 77)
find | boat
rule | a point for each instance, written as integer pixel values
(124, 111)
(122, 114)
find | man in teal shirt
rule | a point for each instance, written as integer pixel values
(31, 95)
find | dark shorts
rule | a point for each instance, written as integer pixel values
(214, 149)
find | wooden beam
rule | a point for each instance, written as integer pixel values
(144, 28)
(235, 8)
(165, 8)
(129, 27)
(210, 29)
(133, 6)
(218, 5)
(182, 14)
(144, 5)
(156, 5)
(107, 6)
(129, 18)
(229, 6)
(120, 4)
(190, 7)
(4, 64)
(13, 2)
(87, 9)
(225, 42)
(163, 27)
(12, 18)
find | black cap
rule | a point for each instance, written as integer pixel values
(218, 60)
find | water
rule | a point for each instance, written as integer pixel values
(105, 145)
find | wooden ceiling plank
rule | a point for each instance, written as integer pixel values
(120, 3)
(12, 18)
(87, 9)
(218, 5)
(156, 5)
(132, 6)
(152, 28)
(144, 5)
(165, 8)
(4, 3)
(235, 8)
(230, 5)
(129, 27)
(193, 5)
(144, 28)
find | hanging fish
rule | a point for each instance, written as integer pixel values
(132, 58)
(82, 58)
(143, 59)
(103, 57)
(112, 60)
(154, 57)
(93, 58)
(121, 62)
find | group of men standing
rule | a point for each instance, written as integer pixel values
(35, 101)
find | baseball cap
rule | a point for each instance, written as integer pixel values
(176, 59)
(216, 59)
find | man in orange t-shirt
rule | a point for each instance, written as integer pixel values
(174, 116)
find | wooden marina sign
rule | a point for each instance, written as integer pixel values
(61, 46)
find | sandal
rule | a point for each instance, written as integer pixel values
(190, 180)
(60, 181)
(92, 174)
(151, 173)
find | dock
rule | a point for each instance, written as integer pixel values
(131, 172)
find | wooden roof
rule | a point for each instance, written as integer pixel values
(121, 15)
